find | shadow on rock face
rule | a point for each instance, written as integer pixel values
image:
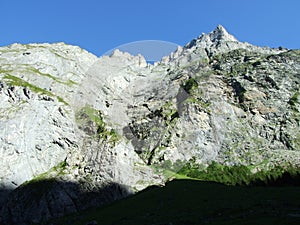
(39, 201)
(4, 193)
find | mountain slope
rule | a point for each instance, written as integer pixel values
(105, 128)
(195, 202)
(37, 129)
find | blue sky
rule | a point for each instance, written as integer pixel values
(99, 26)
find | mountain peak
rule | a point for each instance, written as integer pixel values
(217, 35)
(220, 33)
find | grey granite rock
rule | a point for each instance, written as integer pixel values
(78, 131)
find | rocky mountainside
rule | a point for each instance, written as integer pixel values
(79, 131)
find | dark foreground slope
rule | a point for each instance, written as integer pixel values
(197, 202)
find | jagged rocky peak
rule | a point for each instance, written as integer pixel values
(127, 58)
(220, 34)
(207, 45)
(204, 46)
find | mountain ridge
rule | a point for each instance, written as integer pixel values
(115, 121)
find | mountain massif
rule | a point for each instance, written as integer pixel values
(77, 131)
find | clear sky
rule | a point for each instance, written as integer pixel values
(98, 25)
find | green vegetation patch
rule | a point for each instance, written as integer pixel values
(170, 112)
(57, 170)
(90, 119)
(16, 81)
(5, 71)
(190, 85)
(39, 185)
(239, 174)
(294, 100)
(36, 71)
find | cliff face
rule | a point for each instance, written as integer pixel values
(82, 131)
(37, 126)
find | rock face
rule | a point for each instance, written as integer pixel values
(78, 131)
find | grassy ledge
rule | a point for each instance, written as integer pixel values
(16, 81)
(38, 72)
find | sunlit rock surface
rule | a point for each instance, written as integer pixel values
(84, 128)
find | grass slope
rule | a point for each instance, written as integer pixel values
(187, 202)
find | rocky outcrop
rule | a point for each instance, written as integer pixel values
(37, 129)
(75, 127)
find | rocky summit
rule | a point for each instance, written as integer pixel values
(77, 131)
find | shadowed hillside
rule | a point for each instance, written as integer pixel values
(191, 202)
